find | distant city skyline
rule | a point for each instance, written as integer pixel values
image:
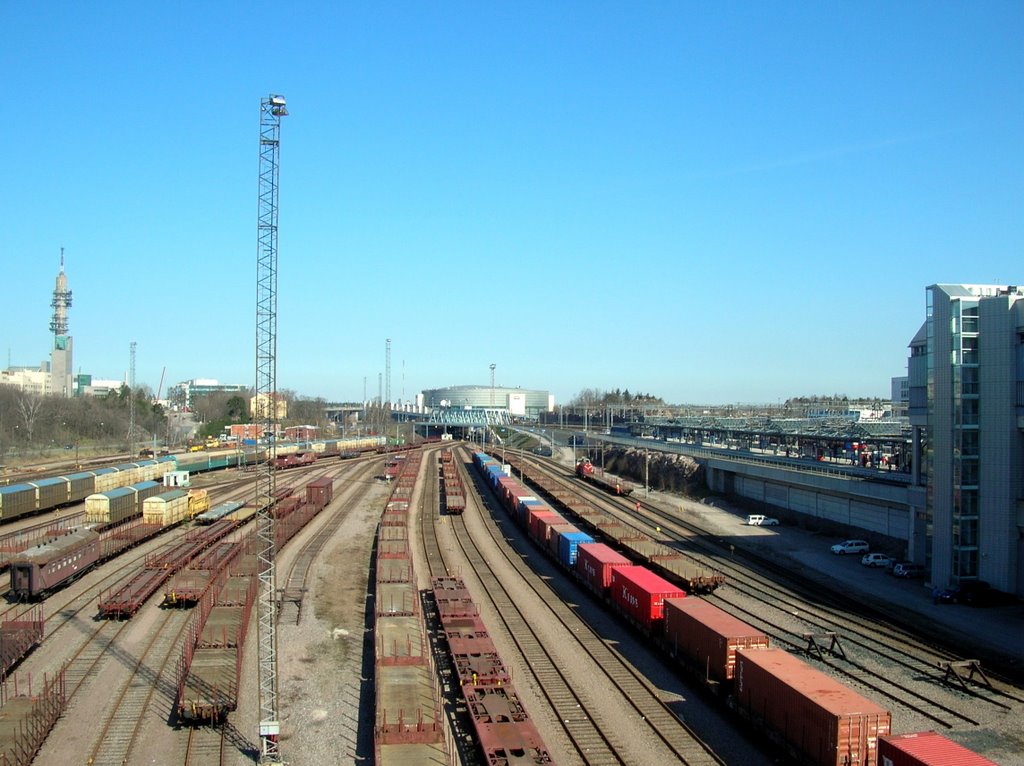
(713, 204)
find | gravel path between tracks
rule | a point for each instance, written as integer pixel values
(326, 705)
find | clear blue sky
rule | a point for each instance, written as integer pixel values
(710, 202)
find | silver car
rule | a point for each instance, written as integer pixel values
(875, 560)
(850, 546)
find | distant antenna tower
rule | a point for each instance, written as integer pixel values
(272, 109)
(387, 370)
(492, 383)
(61, 302)
(131, 399)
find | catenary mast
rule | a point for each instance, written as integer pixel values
(272, 109)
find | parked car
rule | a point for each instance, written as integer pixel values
(759, 520)
(875, 560)
(908, 570)
(850, 546)
(970, 592)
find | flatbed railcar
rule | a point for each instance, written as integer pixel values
(484, 680)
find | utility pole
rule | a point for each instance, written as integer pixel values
(131, 400)
(272, 109)
(387, 371)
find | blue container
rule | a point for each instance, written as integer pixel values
(568, 545)
(82, 485)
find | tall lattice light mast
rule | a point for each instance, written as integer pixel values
(272, 109)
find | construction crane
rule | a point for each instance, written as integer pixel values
(272, 109)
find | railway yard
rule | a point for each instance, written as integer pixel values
(421, 622)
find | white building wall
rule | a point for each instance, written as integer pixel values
(1001, 451)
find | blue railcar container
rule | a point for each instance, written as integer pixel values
(82, 484)
(568, 547)
(107, 478)
(17, 500)
(218, 512)
(51, 492)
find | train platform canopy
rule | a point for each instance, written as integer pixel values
(835, 427)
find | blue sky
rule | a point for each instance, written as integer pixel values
(714, 203)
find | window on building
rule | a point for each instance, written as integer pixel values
(969, 443)
(970, 349)
(969, 412)
(969, 472)
(967, 563)
(969, 381)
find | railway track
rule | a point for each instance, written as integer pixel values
(585, 730)
(125, 718)
(885, 658)
(298, 573)
(876, 647)
(206, 746)
(86, 647)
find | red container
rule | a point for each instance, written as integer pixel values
(926, 748)
(706, 637)
(594, 565)
(547, 527)
(640, 595)
(525, 504)
(506, 489)
(535, 519)
(829, 723)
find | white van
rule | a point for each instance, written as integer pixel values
(760, 520)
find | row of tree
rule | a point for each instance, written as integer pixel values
(29, 421)
(32, 421)
(593, 397)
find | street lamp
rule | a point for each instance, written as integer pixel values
(647, 464)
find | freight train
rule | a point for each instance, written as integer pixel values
(24, 498)
(453, 494)
(817, 719)
(69, 553)
(585, 470)
(45, 494)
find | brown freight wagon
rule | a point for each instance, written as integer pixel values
(320, 492)
(820, 719)
(706, 638)
(926, 748)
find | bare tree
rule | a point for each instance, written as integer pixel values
(29, 407)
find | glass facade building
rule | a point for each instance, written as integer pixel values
(967, 403)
